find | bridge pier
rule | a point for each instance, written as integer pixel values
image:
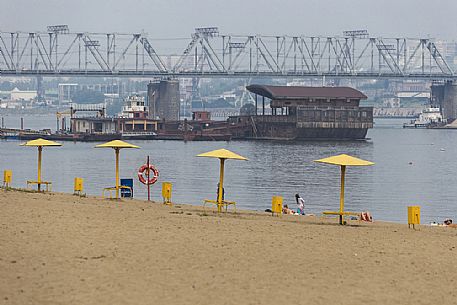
(164, 101)
(444, 95)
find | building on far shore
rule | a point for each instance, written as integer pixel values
(23, 95)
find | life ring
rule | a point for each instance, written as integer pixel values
(152, 178)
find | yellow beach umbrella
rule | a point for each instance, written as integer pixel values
(343, 161)
(40, 143)
(221, 154)
(117, 145)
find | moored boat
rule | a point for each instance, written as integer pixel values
(427, 118)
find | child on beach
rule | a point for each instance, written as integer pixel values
(300, 204)
(286, 210)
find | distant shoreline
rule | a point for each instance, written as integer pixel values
(34, 111)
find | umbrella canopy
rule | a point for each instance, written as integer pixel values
(222, 154)
(343, 161)
(40, 142)
(117, 145)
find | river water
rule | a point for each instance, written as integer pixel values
(413, 167)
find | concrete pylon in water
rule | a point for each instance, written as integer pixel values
(164, 101)
(444, 95)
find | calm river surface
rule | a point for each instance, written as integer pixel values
(413, 167)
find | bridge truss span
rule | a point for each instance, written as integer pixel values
(207, 53)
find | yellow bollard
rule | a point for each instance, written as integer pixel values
(414, 216)
(276, 205)
(79, 186)
(166, 192)
(7, 178)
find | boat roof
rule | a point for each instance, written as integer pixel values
(95, 119)
(298, 92)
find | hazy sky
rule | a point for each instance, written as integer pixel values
(178, 18)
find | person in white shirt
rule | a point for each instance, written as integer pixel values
(300, 204)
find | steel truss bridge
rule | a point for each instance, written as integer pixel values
(207, 53)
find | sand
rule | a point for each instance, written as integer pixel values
(62, 249)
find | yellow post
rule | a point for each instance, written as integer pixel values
(221, 187)
(40, 149)
(343, 172)
(117, 172)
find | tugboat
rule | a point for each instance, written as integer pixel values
(428, 118)
(135, 109)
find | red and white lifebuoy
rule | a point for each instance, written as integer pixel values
(153, 174)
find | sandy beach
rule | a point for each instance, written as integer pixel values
(63, 249)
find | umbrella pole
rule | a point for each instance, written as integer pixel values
(343, 172)
(117, 172)
(40, 149)
(221, 187)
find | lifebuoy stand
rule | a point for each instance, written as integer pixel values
(148, 173)
(145, 170)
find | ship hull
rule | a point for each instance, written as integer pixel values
(331, 133)
(289, 131)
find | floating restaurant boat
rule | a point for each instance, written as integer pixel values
(305, 113)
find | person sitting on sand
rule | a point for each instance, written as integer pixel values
(366, 216)
(300, 204)
(286, 210)
(448, 223)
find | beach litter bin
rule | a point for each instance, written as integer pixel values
(276, 205)
(7, 178)
(126, 188)
(79, 186)
(414, 216)
(166, 192)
